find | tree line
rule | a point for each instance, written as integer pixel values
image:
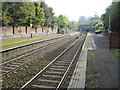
(111, 18)
(35, 14)
(95, 22)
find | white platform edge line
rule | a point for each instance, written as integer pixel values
(93, 43)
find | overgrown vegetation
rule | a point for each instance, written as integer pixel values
(116, 52)
(91, 71)
(111, 17)
(34, 14)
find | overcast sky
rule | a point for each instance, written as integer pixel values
(76, 8)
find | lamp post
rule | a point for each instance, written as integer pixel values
(30, 23)
(30, 26)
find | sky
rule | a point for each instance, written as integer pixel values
(73, 9)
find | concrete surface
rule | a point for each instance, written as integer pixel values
(106, 64)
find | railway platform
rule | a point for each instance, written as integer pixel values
(97, 66)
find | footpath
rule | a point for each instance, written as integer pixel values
(97, 66)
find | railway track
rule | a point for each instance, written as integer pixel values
(16, 63)
(25, 48)
(30, 43)
(53, 75)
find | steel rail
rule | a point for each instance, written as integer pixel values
(68, 67)
(48, 65)
(40, 48)
(30, 44)
(25, 62)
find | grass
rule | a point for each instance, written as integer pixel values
(91, 84)
(116, 52)
(12, 44)
(91, 55)
(91, 71)
(20, 41)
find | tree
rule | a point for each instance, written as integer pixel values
(111, 17)
(82, 20)
(39, 18)
(63, 22)
(54, 22)
(93, 21)
(5, 17)
(26, 13)
(53, 18)
(115, 17)
(74, 26)
(48, 14)
(106, 16)
(17, 13)
(23, 14)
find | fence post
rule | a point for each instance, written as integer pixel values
(13, 30)
(26, 29)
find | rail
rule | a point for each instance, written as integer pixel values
(25, 85)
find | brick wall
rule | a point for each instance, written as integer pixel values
(39, 30)
(45, 29)
(50, 29)
(6, 31)
(20, 30)
(114, 40)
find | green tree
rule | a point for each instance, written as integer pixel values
(106, 16)
(74, 26)
(63, 22)
(39, 18)
(17, 13)
(48, 14)
(82, 20)
(93, 21)
(54, 21)
(26, 13)
(115, 17)
(23, 14)
(5, 16)
(111, 17)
